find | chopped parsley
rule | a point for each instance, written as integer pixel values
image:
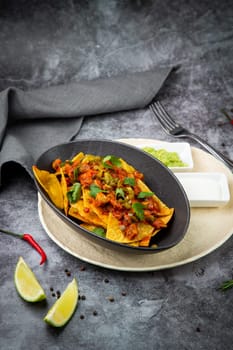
(110, 161)
(74, 193)
(129, 181)
(99, 231)
(94, 189)
(142, 195)
(138, 208)
(120, 193)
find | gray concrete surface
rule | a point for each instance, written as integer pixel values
(44, 43)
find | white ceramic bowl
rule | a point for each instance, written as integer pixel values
(183, 149)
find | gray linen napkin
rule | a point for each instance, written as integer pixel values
(33, 121)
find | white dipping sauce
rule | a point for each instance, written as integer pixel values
(201, 189)
(205, 189)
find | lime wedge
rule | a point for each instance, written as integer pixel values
(63, 309)
(26, 283)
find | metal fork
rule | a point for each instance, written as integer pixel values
(176, 130)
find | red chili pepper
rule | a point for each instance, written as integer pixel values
(34, 244)
(31, 241)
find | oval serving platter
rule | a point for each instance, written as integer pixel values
(158, 177)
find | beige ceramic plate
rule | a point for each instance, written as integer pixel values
(209, 228)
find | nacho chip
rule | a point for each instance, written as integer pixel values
(75, 214)
(80, 211)
(51, 185)
(89, 227)
(78, 157)
(89, 203)
(145, 242)
(129, 168)
(116, 233)
(164, 212)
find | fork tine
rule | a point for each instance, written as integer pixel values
(157, 114)
(163, 115)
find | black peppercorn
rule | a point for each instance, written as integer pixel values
(111, 299)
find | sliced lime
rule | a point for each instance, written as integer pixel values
(63, 309)
(26, 283)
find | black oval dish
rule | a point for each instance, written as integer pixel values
(158, 177)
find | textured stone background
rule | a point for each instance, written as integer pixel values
(45, 43)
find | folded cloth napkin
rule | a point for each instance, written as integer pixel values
(33, 121)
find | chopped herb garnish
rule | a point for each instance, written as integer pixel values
(226, 285)
(94, 189)
(120, 193)
(142, 195)
(99, 231)
(74, 193)
(110, 161)
(129, 181)
(138, 209)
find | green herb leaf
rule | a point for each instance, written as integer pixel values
(99, 231)
(120, 193)
(226, 285)
(142, 195)
(74, 193)
(129, 181)
(110, 161)
(138, 209)
(94, 189)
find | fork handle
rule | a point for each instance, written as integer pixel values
(212, 150)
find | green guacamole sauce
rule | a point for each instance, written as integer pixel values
(170, 159)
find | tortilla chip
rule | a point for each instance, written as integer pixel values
(79, 209)
(133, 244)
(145, 241)
(89, 227)
(90, 157)
(88, 203)
(145, 230)
(129, 168)
(115, 233)
(75, 214)
(78, 157)
(64, 192)
(51, 185)
(164, 212)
